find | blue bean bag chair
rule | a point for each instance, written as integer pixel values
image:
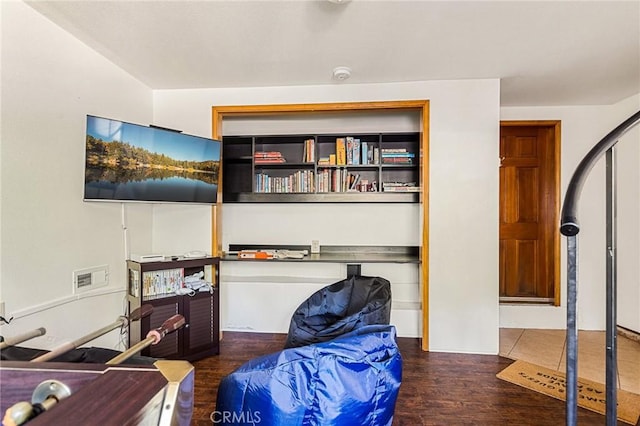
(340, 308)
(352, 380)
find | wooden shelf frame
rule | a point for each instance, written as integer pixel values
(219, 113)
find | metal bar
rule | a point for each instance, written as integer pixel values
(69, 346)
(118, 359)
(12, 341)
(611, 352)
(572, 332)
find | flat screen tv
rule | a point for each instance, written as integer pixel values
(131, 162)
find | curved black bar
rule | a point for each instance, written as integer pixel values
(569, 217)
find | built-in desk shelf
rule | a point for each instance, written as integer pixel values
(333, 254)
(278, 286)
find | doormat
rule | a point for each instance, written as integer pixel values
(591, 395)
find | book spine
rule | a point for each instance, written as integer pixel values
(356, 151)
(396, 160)
(267, 154)
(350, 149)
(398, 154)
(326, 180)
(365, 153)
(341, 155)
(384, 150)
(312, 150)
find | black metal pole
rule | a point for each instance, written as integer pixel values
(572, 331)
(611, 355)
(569, 217)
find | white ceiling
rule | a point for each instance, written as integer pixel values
(545, 53)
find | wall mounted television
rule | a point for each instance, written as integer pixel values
(129, 162)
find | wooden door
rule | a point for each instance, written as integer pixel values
(529, 212)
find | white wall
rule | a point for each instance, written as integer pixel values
(463, 195)
(583, 127)
(628, 213)
(50, 81)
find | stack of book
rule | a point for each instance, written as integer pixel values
(268, 157)
(400, 187)
(397, 156)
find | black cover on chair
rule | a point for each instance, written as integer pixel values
(90, 355)
(340, 308)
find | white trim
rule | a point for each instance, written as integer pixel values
(63, 301)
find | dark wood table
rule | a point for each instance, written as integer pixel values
(120, 395)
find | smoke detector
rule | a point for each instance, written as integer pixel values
(341, 73)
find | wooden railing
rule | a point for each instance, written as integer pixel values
(570, 227)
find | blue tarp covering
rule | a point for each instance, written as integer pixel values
(340, 308)
(351, 380)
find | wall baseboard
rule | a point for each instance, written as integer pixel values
(629, 334)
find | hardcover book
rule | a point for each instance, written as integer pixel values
(341, 153)
(364, 148)
(350, 149)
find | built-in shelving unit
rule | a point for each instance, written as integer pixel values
(300, 159)
(322, 168)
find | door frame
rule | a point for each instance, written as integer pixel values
(553, 231)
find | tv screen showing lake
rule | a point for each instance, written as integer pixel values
(129, 162)
(173, 189)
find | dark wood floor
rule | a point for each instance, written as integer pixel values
(437, 388)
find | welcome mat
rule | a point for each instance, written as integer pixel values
(591, 395)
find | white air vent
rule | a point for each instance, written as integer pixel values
(90, 278)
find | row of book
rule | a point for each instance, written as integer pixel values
(160, 283)
(341, 180)
(351, 151)
(300, 181)
(368, 156)
(328, 180)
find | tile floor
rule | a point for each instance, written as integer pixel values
(548, 349)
